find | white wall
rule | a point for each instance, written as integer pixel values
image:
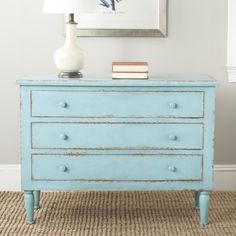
(196, 44)
(231, 61)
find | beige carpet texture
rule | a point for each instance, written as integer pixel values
(117, 214)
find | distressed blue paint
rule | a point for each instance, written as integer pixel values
(117, 136)
(106, 81)
(124, 104)
(118, 185)
(122, 131)
(36, 199)
(106, 167)
(29, 206)
(196, 196)
(204, 206)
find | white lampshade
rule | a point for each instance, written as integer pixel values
(70, 6)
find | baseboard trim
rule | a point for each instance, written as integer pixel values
(224, 178)
(10, 178)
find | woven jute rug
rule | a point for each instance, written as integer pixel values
(117, 213)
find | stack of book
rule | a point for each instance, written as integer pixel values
(130, 70)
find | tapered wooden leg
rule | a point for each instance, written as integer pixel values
(29, 206)
(204, 207)
(36, 199)
(197, 194)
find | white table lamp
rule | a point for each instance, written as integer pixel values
(70, 58)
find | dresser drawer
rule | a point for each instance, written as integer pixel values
(119, 104)
(119, 168)
(117, 136)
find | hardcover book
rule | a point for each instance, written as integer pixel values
(129, 67)
(130, 75)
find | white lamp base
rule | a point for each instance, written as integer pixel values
(70, 59)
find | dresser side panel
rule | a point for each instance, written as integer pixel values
(209, 137)
(25, 138)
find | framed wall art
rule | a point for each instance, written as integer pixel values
(117, 18)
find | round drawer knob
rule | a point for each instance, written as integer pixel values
(63, 104)
(173, 105)
(63, 137)
(172, 168)
(172, 137)
(63, 168)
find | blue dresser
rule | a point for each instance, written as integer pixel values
(101, 134)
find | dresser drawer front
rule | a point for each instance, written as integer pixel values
(117, 136)
(119, 104)
(117, 168)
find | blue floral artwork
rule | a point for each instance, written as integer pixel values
(109, 4)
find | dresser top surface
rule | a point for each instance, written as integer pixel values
(106, 81)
